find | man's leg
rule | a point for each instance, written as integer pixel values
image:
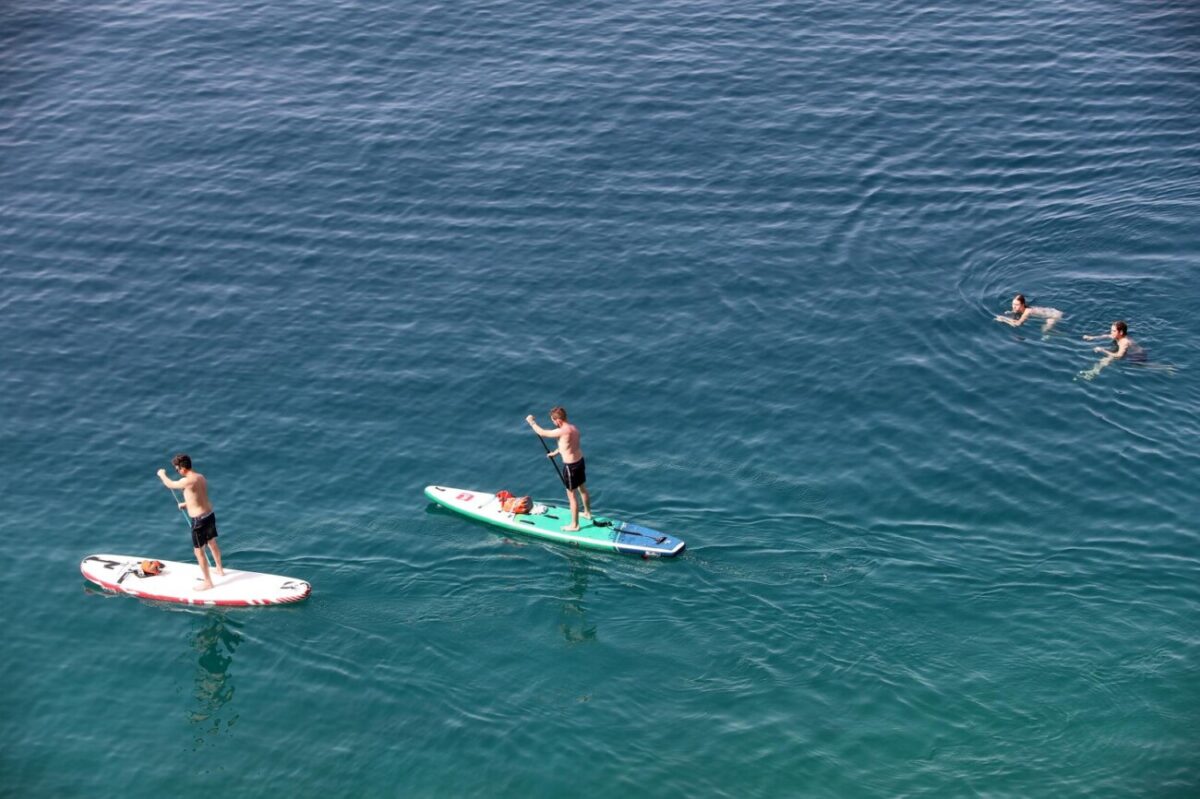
(574, 513)
(203, 569)
(216, 553)
(587, 502)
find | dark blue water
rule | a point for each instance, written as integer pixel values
(336, 252)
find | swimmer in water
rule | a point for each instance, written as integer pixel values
(1022, 312)
(1126, 349)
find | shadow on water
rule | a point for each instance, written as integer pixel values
(214, 643)
(574, 623)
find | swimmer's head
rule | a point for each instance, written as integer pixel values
(558, 414)
(1119, 329)
(181, 462)
(1018, 303)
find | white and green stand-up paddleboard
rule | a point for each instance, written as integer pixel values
(547, 521)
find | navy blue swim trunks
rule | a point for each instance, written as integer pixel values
(204, 529)
(574, 474)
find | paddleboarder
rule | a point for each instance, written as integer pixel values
(1021, 312)
(200, 511)
(573, 471)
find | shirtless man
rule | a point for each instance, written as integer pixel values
(1022, 312)
(573, 474)
(204, 521)
(1127, 348)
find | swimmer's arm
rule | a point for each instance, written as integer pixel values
(1098, 335)
(1122, 348)
(1014, 322)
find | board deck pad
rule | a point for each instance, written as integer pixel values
(177, 583)
(600, 532)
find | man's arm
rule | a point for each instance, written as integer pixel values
(555, 433)
(1109, 355)
(169, 483)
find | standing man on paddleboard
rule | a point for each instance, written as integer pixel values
(573, 473)
(204, 521)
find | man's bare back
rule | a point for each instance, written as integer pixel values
(568, 443)
(195, 494)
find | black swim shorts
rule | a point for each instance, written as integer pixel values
(204, 529)
(574, 474)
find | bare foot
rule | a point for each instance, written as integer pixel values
(204, 587)
(571, 528)
(587, 514)
(220, 572)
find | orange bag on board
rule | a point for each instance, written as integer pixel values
(511, 504)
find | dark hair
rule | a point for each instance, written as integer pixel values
(1121, 327)
(1020, 298)
(558, 412)
(181, 461)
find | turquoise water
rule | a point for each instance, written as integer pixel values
(336, 252)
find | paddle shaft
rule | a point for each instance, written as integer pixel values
(554, 465)
(187, 519)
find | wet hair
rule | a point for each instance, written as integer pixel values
(1121, 327)
(558, 412)
(1020, 298)
(181, 461)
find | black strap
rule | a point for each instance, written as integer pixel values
(623, 531)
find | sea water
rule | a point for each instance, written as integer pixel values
(338, 251)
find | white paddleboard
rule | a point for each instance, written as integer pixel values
(177, 582)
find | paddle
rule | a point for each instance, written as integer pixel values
(553, 465)
(187, 519)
